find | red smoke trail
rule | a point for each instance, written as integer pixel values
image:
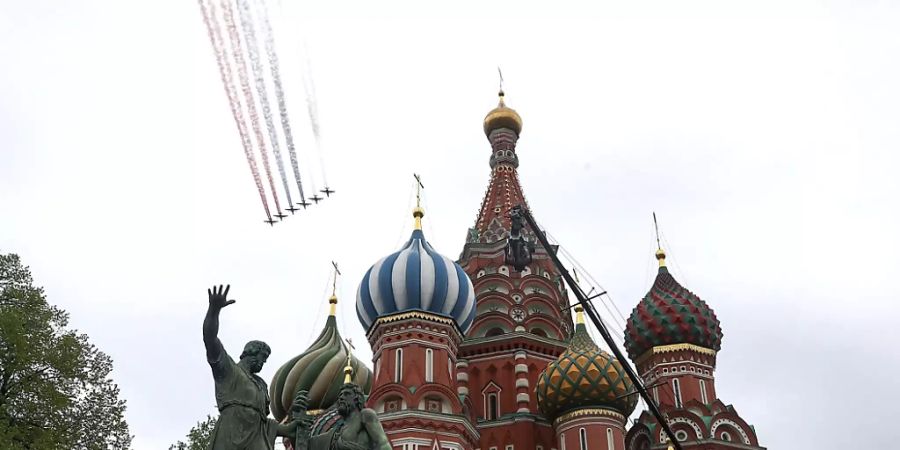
(238, 54)
(215, 37)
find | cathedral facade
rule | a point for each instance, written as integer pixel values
(473, 354)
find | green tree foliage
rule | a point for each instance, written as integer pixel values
(54, 386)
(199, 436)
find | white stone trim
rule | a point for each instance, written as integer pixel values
(740, 430)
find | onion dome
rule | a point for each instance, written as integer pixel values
(670, 314)
(584, 377)
(502, 117)
(318, 370)
(416, 278)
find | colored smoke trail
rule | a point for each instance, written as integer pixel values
(215, 37)
(260, 82)
(279, 93)
(238, 54)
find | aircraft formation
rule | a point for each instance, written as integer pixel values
(235, 29)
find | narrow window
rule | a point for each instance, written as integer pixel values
(562, 441)
(509, 447)
(676, 388)
(429, 365)
(656, 394)
(703, 392)
(582, 435)
(609, 440)
(539, 447)
(493, 412)
(398, 366)
(450, 369)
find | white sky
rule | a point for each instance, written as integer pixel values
(764, 135)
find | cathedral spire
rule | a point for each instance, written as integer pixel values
(502, 126)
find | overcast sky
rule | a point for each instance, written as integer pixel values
(764, 135)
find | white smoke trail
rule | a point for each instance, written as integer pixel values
(238, 54)
(214, 31)
(312, 108)
(261, 91)
(279, 93)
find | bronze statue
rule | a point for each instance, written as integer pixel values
(359, 430)
(241, 396)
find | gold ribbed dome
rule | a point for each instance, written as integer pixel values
(502, 117)
(584, 377)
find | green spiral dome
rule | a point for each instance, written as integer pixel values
(318, 370)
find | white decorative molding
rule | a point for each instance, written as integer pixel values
(740, 430)
(689, 423)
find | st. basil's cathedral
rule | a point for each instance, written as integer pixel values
(476, 355)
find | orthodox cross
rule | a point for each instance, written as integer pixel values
(334, 281)
(419, 187)
(350, 349)
(656, 226)
(348, 370)
(499, 72)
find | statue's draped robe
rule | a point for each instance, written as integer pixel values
(243, 402)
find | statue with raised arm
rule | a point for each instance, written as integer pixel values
(358, 430)
(241, 395)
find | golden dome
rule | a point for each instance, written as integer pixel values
(502, 117)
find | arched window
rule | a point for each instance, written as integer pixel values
(582, 437)
(493, 405)
(676, 388)
(703, 397)
(539, 332)
(450, 368)
(398, 366)
(429, 365)
(610, 444)
(496, 331)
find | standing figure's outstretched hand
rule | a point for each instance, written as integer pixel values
(218, 297)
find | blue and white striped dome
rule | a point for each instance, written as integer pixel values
(416, 278)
